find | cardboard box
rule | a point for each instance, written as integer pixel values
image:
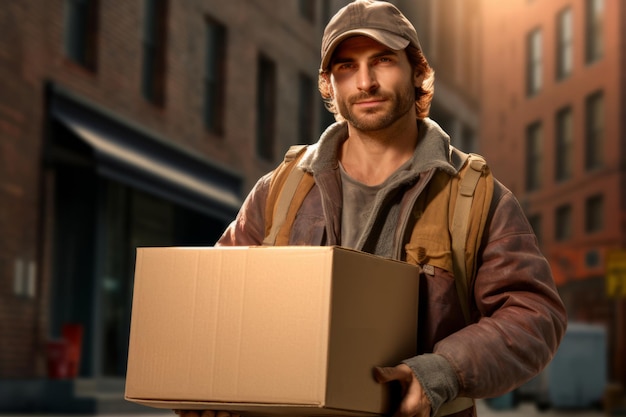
(268, 330)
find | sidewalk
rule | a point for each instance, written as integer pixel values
(522, 410)
(527, 409)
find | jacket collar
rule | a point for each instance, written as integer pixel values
(432, 150)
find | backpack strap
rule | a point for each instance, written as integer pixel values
(475, 167)
(288, 188)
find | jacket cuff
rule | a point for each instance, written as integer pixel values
(437, 377)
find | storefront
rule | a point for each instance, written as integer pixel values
(112, 187)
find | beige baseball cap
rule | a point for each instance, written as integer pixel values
(379, 20)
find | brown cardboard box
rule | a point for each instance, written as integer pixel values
(268, 330)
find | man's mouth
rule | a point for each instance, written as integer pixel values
(369, 101)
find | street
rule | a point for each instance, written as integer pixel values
(527, 409)
(524, 409)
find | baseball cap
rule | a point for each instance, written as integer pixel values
(379, 20)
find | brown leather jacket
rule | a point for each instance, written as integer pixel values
(518, 316)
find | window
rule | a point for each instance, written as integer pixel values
(592, 259)
(564, 144)
(594, 210)
(81, 29)
(563, 223)
(154, 40)
(564, 51)
(326, 117)
(535, 223)
(305, 108)
(266, 108)
(534, 64)
(325, 13)
(594, 131)
(468, 140)
(307, 9)
(534, 156)
(594, 42)
(215, 77)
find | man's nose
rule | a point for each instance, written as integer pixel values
(366, 79)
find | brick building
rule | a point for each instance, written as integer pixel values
(145, 122)
(450, 34)
(552, 128)
(130, 123)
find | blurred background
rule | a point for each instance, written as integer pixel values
(127, 123)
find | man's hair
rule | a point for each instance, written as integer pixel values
(423, 94)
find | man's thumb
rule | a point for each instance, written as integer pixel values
(382, 375)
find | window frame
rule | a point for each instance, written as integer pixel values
(534, 62)
(154, 40)
(81, 32)
(563, 223)
(215, 75)
(594, 213)
(536, 223)
(565, 43)
(266, 107)
(595, 128)
(564, 144)
(306, 103)
(534, 156)
(594, 30)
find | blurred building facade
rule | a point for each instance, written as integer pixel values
(145, 122)
(125, 124)
(553, 131)
(450, 35)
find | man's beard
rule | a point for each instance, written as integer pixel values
(402, 103)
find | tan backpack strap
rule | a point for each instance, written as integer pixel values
(301, 191)
(284, 187)
(460, 223)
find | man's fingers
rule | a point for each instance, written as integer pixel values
(205, 413)
(414, 402)
(188, 413)
(392, 373)
(224, 414)
(382, 375)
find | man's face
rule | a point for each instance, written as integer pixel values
(373, 86)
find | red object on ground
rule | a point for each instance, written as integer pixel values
(64, 354)
(73, 335)
(58, 366)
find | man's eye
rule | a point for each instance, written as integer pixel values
(345, 66)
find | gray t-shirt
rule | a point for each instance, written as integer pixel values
(360, 202)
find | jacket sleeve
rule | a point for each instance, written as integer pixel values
(248, 228)
(520, 316)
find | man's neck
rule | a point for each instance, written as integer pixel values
(371, 157)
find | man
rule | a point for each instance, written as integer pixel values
(368, 169)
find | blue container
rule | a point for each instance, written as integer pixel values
(578, 373)
(503, 402)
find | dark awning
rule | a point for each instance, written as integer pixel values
(134, 157)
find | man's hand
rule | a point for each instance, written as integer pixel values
(414, 402)
(206, 413)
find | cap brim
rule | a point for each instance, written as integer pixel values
(388, 39)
